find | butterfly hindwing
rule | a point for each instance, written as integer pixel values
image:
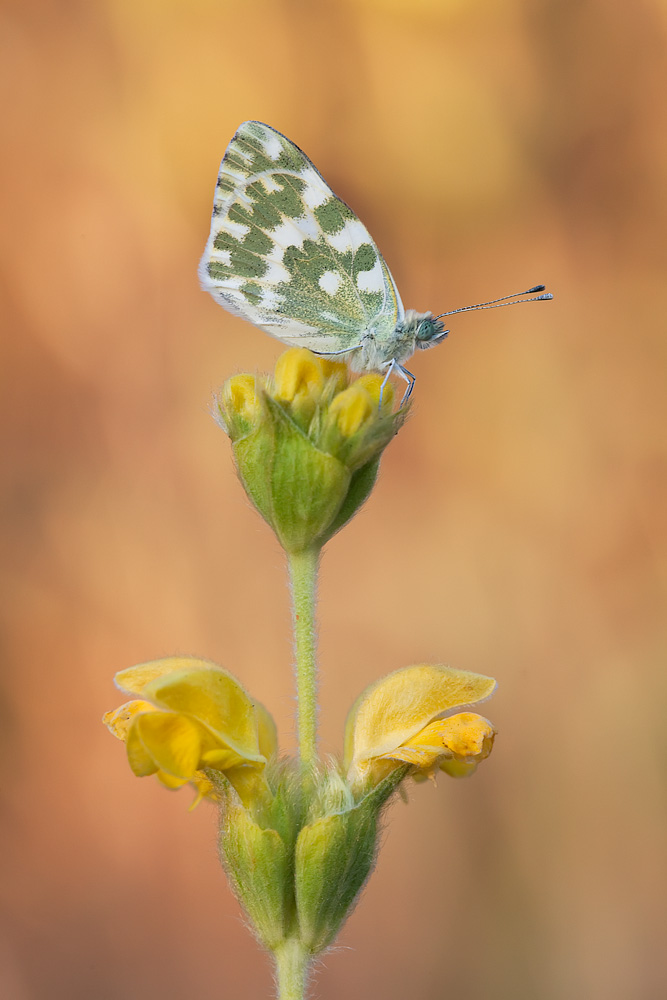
(288, 255)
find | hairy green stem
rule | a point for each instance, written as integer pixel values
(292, 961)
(303, 578)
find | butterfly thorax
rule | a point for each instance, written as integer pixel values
(416, 331)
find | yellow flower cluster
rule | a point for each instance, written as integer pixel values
(310, 386)
(307, 443)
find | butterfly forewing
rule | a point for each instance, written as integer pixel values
(288, 255)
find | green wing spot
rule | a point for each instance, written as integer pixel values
(330, 217)
(245, 264)
(287, 201)
(265, 214)
(239, 213)
(258, 220)
(306, 263)
(252, 292)
(225, 241)
(258, 158)
(291, 158)
(254, 128)
(218, 271)
(232, 159)
(257, 241)
(364, 258)
(373, 301)
(252, 139)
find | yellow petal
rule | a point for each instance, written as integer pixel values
(171, 741)
(205, 789)
(221, 758)
(250, 784)
(393, 710)
(120, 720)
(266, 731)
(466, 738)
(169, 781)
(214, 698)
(458, 768)
(134, 679)
(351, 408)
(200, 688)
(372, 383)
(335, 371)
(239, 397)
(297, 373)
(139, 758)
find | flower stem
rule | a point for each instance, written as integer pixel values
(303, 577)
(292, 962)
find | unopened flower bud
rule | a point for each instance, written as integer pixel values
(307, 444)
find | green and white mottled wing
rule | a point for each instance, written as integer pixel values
(288, 255)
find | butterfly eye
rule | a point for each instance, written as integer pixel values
(430, 331)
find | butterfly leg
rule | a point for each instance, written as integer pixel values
(334, 354)
(410, 379)
(407, 376)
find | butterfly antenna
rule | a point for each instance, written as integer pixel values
(504, 300)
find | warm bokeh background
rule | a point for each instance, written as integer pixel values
(518, 528)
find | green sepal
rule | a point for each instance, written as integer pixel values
(259, 866)
(297, 488)
(254, 460)
(371, 440)
(334, 856)
(308, 485)
(361, 486)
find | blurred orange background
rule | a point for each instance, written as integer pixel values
(518, 528)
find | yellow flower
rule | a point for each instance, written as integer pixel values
(239, 396)
(405, 718)
(372, 383)
(352, 408)
(192, 715)
(303, 381)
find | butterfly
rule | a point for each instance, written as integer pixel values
(289, 256)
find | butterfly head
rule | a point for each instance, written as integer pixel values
(430, 331)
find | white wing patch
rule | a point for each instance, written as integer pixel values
(351, 236)
(275, 274)
(269, 183)
(330, 282)
(288, 234)
(235, 229)
(316, 192)
(272, 146)
(371, 281)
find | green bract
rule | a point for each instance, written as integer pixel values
(298, 864)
